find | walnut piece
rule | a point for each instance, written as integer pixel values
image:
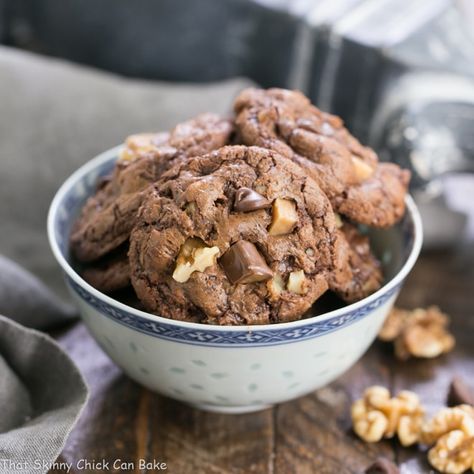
(410, 417)
(296, 282)
(378, 416)
(393, 325)
(451, 431)
(276, 286)
(190, 208)
(338, 219)
(446, 420)
(362, 170)
(136, 145)
(370, 427)
(194, 256)
(453, 453)
(418, 333)
(284, 217)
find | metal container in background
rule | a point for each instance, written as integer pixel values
(402, 76)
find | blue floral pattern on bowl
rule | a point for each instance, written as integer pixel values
(245, 337)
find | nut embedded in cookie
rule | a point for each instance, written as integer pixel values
(296, 282)
(361, 169)
(142, 143)
(285, 217)
(276, 286)
(194, 256)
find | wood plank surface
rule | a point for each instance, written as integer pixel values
(310, 435)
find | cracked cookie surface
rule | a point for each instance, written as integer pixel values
(358, 272)
(238, 236)
(357, 185)
(108, 217)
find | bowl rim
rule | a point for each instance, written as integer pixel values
(107, 155)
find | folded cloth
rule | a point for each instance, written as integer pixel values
(41, 397)
(41, 391)
(28, 301)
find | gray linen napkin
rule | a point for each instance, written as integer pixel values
(41, 397)
(28, 301)
(41, 391)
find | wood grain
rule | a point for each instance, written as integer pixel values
(309, 435)
(446, 280)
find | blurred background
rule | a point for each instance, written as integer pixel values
(399, 72)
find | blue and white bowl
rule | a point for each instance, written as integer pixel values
(231, 369)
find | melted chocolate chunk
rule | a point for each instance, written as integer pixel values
(248, 200)
(243, 264)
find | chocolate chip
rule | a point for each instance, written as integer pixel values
(459, 393)
(382, 466)
(247, 200)
(242, 263)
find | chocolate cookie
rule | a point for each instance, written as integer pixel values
(349, 173)
(358, 272)
(238, 236)
(110, 273)
(108, 217)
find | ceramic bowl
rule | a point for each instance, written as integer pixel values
(229, 369)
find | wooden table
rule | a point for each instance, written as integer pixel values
(310, 435)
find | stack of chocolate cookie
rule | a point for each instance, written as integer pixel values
(244, 221)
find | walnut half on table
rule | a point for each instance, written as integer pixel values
(449, 434)
(376, 415)
(418, 333)
(452, 432)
